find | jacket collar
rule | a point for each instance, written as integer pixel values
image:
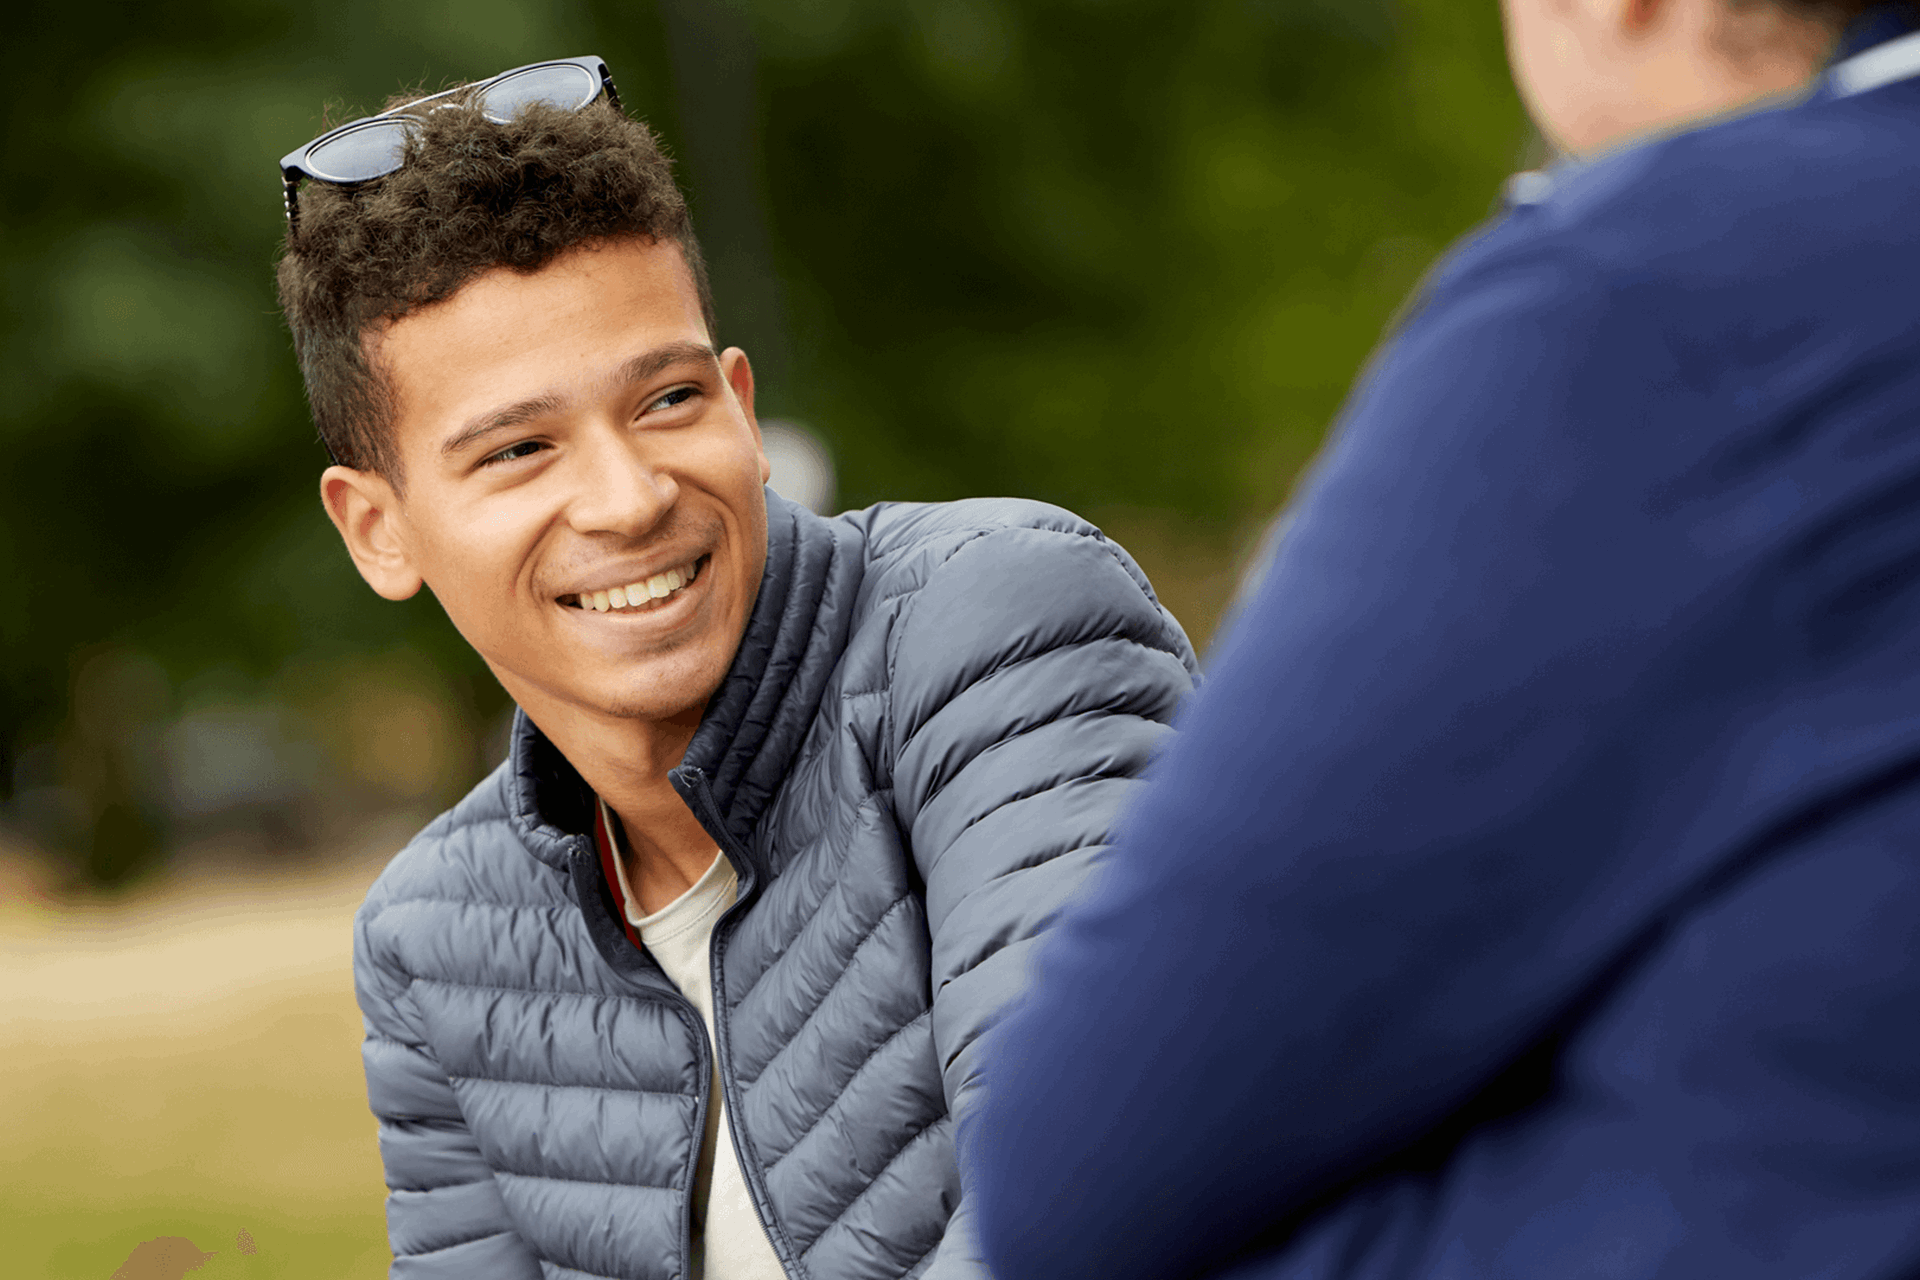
(1876, 26)
(755, 721)
(1882, 47)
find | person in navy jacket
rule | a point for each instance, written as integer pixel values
(1534, 890)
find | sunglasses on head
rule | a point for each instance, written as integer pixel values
(375, 146)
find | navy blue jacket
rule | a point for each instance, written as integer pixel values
(1534, 890)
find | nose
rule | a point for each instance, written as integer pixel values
(619, 488)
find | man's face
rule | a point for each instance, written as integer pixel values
(567, 438)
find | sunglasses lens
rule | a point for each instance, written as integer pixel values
(565, 86)
(370, 151)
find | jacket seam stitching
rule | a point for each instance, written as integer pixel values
(1169, 625)
(499, 1172)
(458, 1244)
(448, 900)
(411, 1046)
(1055, 856)
(1010, 942)
(1161, 616)
(1093, 776)
(1010, 664)
(901, 622)
(892, 909)
(843, 849)
(892, 1160)
(923, 1016)
(536, 991)
(550, 1084)
(928, 1250)
(531, 991)
(941, 790)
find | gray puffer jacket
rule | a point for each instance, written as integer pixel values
(933, 717)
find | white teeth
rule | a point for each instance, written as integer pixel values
(658, 587)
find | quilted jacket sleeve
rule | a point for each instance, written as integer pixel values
(1034, 676)
(445, 1217)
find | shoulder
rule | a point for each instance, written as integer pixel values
(1700, 285)
(1792, 209)
(899, 531)
(1006, 559)
(967, 588)
(468, 854)
(908, 544)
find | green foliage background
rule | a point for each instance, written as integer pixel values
(1117, 254)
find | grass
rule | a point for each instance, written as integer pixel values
(186, 1064)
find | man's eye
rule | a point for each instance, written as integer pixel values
(513, 452)
(677, 396)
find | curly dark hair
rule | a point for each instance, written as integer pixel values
(471, 195)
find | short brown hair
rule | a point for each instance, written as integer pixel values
(471, 196)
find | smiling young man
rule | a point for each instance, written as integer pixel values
(692, 984)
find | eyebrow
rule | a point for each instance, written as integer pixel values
(642, 368)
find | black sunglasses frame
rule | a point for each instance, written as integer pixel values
(296, 165)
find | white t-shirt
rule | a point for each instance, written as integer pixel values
(728, 1241)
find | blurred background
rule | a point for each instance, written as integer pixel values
(1122, 255)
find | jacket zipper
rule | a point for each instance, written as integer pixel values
(709, 815)
(703, 1070)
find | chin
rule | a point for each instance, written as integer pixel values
(652, 709)
(665, 691)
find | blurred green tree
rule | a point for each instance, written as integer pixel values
(1102, 252)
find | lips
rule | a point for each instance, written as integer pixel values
(639, 596)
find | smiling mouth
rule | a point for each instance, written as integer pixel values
(641, 596)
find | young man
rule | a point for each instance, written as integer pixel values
(693, 983)
(1532, 892)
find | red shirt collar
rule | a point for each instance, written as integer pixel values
(604, 842)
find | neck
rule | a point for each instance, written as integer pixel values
(664, 849)
(1693, 63)
(742, 737)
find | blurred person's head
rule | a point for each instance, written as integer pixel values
(1598, 72)
(508, 346)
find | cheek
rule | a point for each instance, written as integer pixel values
(730, 465)
(1540, 53)
(1526, 49)
(474, 571)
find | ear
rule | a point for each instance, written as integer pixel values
(367, 512)
(739, 375)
